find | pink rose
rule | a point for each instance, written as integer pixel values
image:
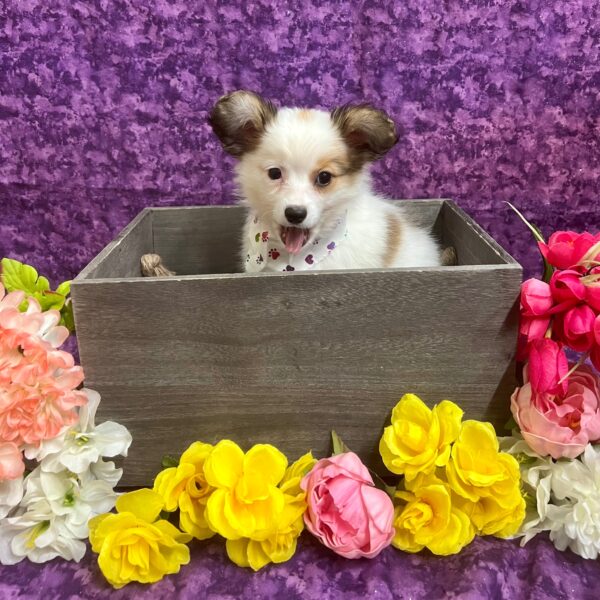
(566, 286)
(547, 366)
(346, 511)
(11, 461)
(575, 328)
(560, 425)
(536, 298)
(530, 329)
(566, 248)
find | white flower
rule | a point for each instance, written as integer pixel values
(77, 500)
(105, 471)
(576, 516)
(52, 517)
(536, 479)
(39, 535)
(83, 444)
(537, 485)
(11, 492)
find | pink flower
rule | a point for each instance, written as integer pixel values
(536, 298)
(530, 329)
(560, 425)
(595, 352)
(575, 328)
(566, 286)
(547, 366)
(11, 461)
(38, 395)
(566, 248)
(592, 293)
(345, 511)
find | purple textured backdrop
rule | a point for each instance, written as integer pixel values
(488, 569)
(103, 106)
(103, 111)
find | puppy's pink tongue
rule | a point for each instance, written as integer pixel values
(294, 239)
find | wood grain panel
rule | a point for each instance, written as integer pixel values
(201, 239)
(121, 258)
(284, 358)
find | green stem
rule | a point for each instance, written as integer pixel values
(537, 234)
(574, 368)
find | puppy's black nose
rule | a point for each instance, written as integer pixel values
(295, 214)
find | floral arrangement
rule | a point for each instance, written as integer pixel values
(53, 476)
(455, 484)
(557, 409)
(448, 479)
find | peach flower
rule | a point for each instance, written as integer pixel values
(38, 382)
(11, 461)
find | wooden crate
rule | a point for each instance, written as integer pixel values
(285, 357)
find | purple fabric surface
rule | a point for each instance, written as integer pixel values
(103, 110)
(487, 569)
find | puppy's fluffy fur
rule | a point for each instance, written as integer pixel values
(282, 156)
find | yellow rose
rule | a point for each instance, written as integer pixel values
(133, 546)
(246, 501)
(419, 439)
(280, 546)
(429, 519)
(290, 484)
(277, 548)
(185, 487)
(487, 480)
(500, 518)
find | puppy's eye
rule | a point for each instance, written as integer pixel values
(324, 178)
(274, 173)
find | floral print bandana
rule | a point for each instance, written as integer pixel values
(268, 253)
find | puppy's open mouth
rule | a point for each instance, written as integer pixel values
(294, 238)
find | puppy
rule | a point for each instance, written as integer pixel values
(304, 175)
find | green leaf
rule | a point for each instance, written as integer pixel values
(66, 315)
(338, 446)
(50, 300)
(64, 288)
(169, 461)
(42, 284)
(390, 490)
(18, 276)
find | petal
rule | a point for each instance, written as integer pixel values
(145, 504)
(111, 439)
(237, 550)
(450, 416)
(225, 465)
(257, 558)
(268, 461)
(87, 412)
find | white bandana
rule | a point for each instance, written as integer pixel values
(267, 253)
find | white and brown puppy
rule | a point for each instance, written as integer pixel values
(303, 174)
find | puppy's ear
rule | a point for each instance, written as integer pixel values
(239, 120)
(368, 132)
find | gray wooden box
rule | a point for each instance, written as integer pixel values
(283, 358)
